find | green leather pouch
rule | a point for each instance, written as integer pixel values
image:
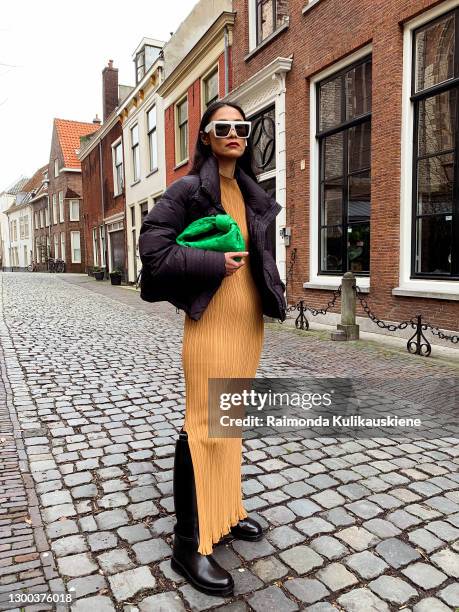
(214, 233)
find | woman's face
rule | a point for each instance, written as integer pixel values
(221, 146)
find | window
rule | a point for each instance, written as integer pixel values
(74, 208)
(118, 168)
(75, 246)
(264, 140)
(56, 168)
(95, 246)
(344, 134)
(270, 15)
(435, 98)
(63, 246)
(135, 153)
(56, 246)
(21, 228)
(26, 227)
(61, 207)
(54, 209)
(15, 227)
(211, 88)
(152, 141)
(140, 65)
(36, 219)
(42, 219)
(143, 211)
(46, 216)
(102, 245)
(182, 130)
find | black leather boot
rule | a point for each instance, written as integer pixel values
(202, 571)
(247, 529)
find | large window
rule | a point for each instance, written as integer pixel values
(74, 210)
(264, 140)
(182, 130)
(344, 133)
(270, 15)
(118, 168)
(210, 84)
(75, 246)
(152, 140)
(56, 245)
(61, 207)
(54, 209)
(135, 153)
(435, 90)
(63, 246)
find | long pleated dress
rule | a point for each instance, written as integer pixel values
(226, 342)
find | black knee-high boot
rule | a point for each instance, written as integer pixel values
(202, 571)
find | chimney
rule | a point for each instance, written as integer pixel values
(109, 89)
(97, 120)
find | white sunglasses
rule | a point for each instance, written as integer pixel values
(222, 129)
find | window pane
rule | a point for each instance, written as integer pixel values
(183, 142)
(183, 112)
(436, 131)
(330, 95)
(332, 208)
(118, 155)
(435, 53)
(211, 87)
(358, 90)
(358, 247)
(434, 245)
(435, 184)
(359, 147)
(153, 151)
(266, 18)
(331, 243)
(264, 140)
(151, 118)
(135, 134)
(333, 156)
(359, 197)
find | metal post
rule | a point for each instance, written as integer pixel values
(348, 327)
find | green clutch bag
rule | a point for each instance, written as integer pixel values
(215, 233)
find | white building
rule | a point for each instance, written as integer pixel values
(7, 198)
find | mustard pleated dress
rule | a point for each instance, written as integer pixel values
(226, 342)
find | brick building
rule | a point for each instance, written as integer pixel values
(65, 193)
(367, 167)
(103, 180)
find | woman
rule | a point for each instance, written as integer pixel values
(224, 296)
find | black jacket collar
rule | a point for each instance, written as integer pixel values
(254, 196)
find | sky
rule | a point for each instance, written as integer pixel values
(51, 61)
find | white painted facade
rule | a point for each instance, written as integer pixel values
(19, 239)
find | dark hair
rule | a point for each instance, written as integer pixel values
(203, 151)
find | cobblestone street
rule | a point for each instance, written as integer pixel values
(91, 400)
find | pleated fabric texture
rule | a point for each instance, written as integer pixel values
(226, 342)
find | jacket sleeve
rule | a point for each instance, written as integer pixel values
(159, 250)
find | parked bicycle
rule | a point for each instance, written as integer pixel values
(32, 266)
(56, 265)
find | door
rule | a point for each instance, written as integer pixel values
(117, 249)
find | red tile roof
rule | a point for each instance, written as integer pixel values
(68, 133)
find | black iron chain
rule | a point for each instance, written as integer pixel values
(375, 319)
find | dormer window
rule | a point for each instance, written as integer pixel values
(145, 57)
(140, 65)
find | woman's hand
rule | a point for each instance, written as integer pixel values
(232, 265)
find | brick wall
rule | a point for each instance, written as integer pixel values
(329, 31)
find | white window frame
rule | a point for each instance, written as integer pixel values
(71, 204)
(26, 227)
(63, 246)
(61, 207)
(321, 281)
(117, 188)
(54, 209)
(46, 216)
(102, 238)
(152, 136)
(56, 246)
(252, 18)
(135, 154)
(205, 77)
(408, 286)
(177, 133)
(21, 227)
(56, 168)
(95, 249)
(72, 246)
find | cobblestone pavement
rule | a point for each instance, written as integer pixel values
(94, 400)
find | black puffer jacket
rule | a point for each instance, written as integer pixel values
(188, 277)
